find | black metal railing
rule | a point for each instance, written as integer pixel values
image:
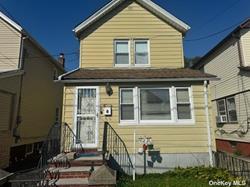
(115, 151)
(60, 140)
(70, 142)
(236, 166)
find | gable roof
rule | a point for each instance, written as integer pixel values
(11, 73)
(151, 6)
(132, 75)
(24, 33)
(233, 34)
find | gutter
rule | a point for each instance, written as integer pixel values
(208, 124)
(134, 80)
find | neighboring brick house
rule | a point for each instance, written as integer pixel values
(230, 61)
(30, 100)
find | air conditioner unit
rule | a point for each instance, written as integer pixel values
(221, 119)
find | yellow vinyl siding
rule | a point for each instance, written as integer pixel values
(168, 138)
(40, 96)
(10, 42)
(133, 22)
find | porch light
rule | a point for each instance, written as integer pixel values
(109, 90)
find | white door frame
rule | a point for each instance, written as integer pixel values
(97, 114)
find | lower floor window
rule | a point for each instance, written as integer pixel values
(155, 104)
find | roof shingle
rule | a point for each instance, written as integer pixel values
(163, 73)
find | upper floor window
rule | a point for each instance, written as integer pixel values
(141, 52)
(122, 52)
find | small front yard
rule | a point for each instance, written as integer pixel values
(189, 177)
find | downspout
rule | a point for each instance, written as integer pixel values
(208, 124)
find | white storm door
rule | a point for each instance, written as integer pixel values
(87, 116)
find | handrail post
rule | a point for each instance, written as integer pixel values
(104, 144)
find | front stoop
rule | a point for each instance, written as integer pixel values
(82, 172)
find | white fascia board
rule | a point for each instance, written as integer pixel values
(165, 14)
(96, 15)
(11, 22)
(183, 27)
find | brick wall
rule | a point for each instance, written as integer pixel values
(243, 148)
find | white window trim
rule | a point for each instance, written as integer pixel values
(155, 121)
(190, 93)
(148, 43)
(134, 102)
(75, 113)
(173, 105)
(227, 111)
(226, 108)
(129, 53)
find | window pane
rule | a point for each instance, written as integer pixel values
(127, 112)
(184, 111)
(122, 59)
(141, 47)
(121, 47)
(127, 96)
(231, 109)
(221, 107)
(141, 58)
(182, 95)
(155, 104)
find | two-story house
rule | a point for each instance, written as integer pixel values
(230, 61)
(131, 75)
(30, 100)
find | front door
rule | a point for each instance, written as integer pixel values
(87, 116)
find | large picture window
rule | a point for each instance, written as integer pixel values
(156, 105)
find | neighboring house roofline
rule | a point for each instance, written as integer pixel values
(201, 62)
(148, 4)
(25, 34)
(12, 73)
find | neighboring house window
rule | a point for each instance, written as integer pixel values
(156, 105)
(127, 104)
(231, 109)
(183, 103)
(122, 52)
(141, 52)
(227, 108)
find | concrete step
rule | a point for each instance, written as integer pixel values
(88, 161)
(77, 182)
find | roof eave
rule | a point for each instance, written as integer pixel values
(137, 80)
(177, 23)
